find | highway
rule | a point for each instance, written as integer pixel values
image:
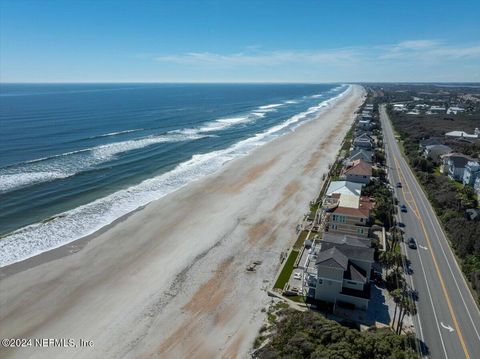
(448, 320)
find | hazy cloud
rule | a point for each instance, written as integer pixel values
(422, 50)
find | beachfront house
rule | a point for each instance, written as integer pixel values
(364, 124)
(436, 151)
(344, 264)
(453, 165)
(471, 173)
(360, 154)
(359, 171)
(363, 141)
(345, 210)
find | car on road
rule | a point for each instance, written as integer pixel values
(411, 243)
(403, 208)
(399, 184)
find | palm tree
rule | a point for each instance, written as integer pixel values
(397, 296)
(407, 306)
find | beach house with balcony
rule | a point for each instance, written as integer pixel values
(344, 264)
(363, 142)
(358, 171)
(345, 210)
(360, 154)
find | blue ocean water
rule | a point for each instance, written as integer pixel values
(75, 157)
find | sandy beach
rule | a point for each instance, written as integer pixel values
(169, 280)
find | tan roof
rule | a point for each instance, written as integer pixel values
(359, 167)
(363, 209)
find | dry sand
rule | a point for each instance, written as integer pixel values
(169, 280)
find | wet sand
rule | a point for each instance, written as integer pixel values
(169, 280)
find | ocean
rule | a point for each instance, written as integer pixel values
(76, 157)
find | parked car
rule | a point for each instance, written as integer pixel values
(411, 243)
(403, 208)
(399, 184)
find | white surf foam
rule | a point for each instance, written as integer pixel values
(110, 134)
(68, 164)
(81, 221)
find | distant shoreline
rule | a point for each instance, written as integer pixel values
(169, 280)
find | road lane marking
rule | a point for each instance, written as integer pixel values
(425, 277)
(435, 227)
(417, 316)
(449, 328)
(442, 283)
(425, 248)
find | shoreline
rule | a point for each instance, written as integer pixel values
(175, 269)
(79, 243)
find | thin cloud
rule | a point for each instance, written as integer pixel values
(422, 50)
(428, 50)
(261, 58)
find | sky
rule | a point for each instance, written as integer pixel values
(239, 41)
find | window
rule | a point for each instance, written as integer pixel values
(320, 281)
(360, 230)
(361, 219)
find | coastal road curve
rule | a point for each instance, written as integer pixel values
(448, 319)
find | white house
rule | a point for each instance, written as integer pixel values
(454, 110)
(463, 134)
(476, 186)
(454, 165)
(471, 172)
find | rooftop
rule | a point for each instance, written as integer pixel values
(346, 239)
(350, 252)
(332, 257)
(359, 167)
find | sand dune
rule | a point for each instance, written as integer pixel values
(169, 280)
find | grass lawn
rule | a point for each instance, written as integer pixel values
(297, 298)
(313, 211)
(286, 270)
(301, 238)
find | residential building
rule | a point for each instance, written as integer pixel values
(454, 110)
(363, 141)
(429, 142)
(364, 124)
(343, 271)
(463, 134)
(358, 171)
(435, 151)
(454, 165)
(399, 107)
(344, 188)
(471, 172)
(360, 154)
(476, 187)
(436, 109)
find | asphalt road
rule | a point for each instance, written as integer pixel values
(448, 320)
